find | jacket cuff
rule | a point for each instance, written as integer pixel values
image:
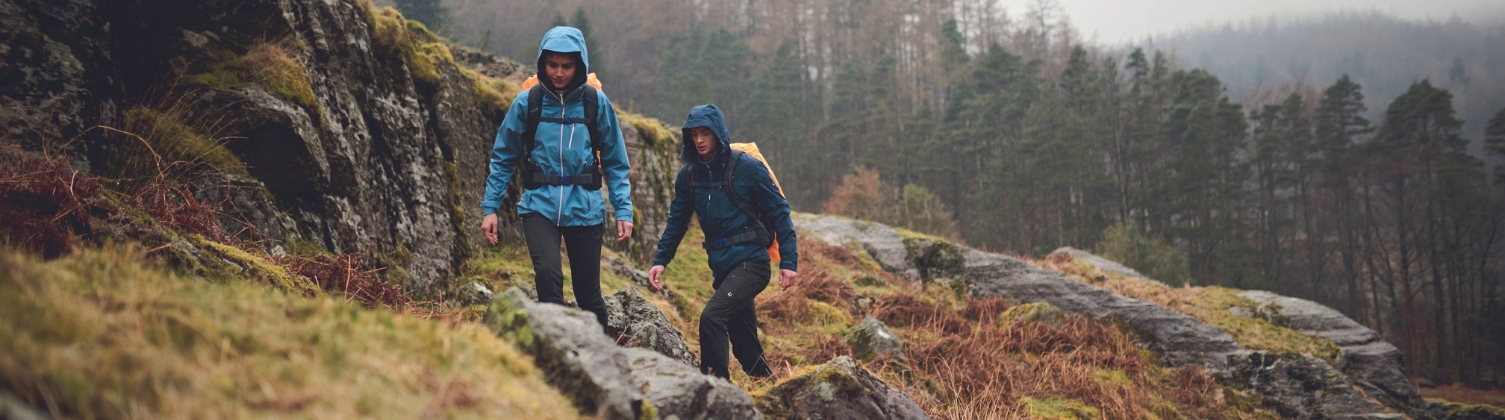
(789, 265)
(489, 207)
(660, 261)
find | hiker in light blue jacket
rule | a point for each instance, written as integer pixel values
(558, 128)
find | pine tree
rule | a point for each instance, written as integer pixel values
(1494, 143)
(1338, 119)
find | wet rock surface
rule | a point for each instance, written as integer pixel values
(1372, 363)
(1300, 386)
(838, 390)
(246, 211)
(871, 339)
(636, 323)
(606, 380)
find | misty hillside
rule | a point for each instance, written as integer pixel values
(1259, 61)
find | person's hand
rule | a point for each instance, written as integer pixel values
(624, 230)
(653, 275)
(786, 278)
(488, 227)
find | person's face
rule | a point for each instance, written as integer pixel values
(560, 68)
(705, 142)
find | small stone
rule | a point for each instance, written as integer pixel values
(872, 338)
(839, 389)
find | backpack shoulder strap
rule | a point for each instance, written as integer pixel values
(591, 102)
(731, 194)
(535, 115)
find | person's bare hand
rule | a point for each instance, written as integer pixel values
(787, 278)
(624, 230)
(653, 275)
(488, 228)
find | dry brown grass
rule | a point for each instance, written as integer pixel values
(987, 372)
(1461, 393)
(46, 204)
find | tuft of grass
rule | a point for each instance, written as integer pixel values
(1057, 408)
(493, 95)
(1210, 304)
(100, 335)
(651, 129)
(270, 64)
(167, 142)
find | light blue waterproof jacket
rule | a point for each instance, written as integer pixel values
(562, 149)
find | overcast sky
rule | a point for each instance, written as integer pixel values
(1122, 21)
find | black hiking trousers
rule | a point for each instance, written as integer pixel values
(731, 315)
(583, 243)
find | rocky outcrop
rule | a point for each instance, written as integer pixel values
(1448, 410)
(1302, 385)
(636, 323)
(1372, 363)
(247, 212)
(1102, 264)
(883, 243)
(871, 339)
(606, 380)
(840, 389)
(1180, 339)
(352, 142)
(1299, 386)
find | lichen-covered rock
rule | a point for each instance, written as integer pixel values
(366, 147)
(1179, 338)
(245, 210)
(1448, 410)
(606, 380)
(1372, 363)
(637, 323)
(883, 243)
(933, 260)
(838, 390)
(1103, 264)
(1300, 386)
(872, 339)
(1031, 312)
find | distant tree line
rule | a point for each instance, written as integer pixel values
(950, 116)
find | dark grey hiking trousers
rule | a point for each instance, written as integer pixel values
(731, 315)
(583, 244)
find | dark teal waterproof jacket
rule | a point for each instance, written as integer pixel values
(719, 218)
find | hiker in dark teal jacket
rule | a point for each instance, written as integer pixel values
(736, 242)
(563, 206)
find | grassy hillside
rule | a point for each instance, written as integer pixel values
(100, 334)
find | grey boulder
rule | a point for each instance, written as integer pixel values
(872, 338)
(636, 323)
(1370, 362)
(606, 380)
(1300, 386)
(838, 390)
